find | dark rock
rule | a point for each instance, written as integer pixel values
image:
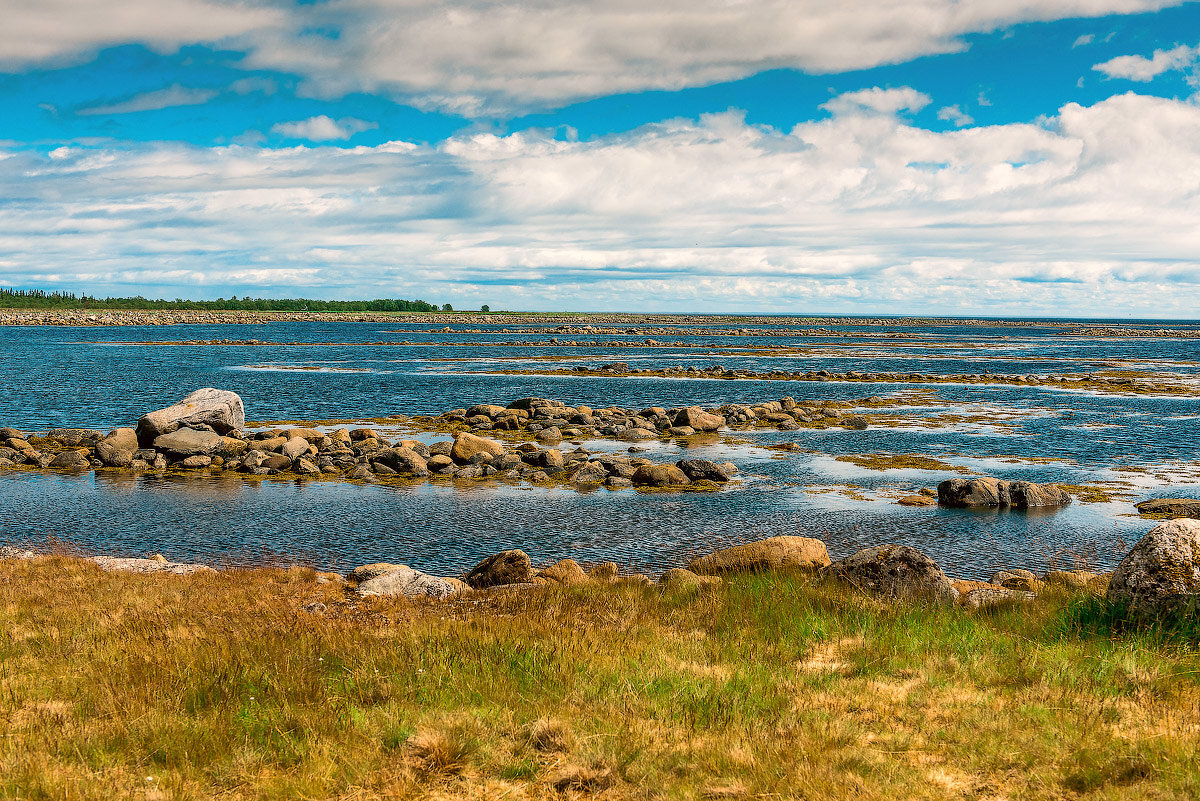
(506, 567)
(1171, 507)
(660, 475)
(991, 492)
(895, 572)
(70, 460)
(702, 469)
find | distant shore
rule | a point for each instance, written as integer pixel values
(143, 317)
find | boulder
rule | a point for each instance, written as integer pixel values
(986, 491)
(1171, 507)
(1016, 579)
(404, 461)
(659, 475)
(467, 445)
(403, 580)
(367, 572)
(917, 500)
(506, 567)
(679, 579)
(605, 571)
(988, 597)
(70, 460)
(703, 470)
(231, 447)
(113, 564)
(487, 410)
(219, 409)
(185, 442)
(196, 462)
(696, 418)
(1160, 577)
(895, 572)
(566, 572)
(118, 448)
(589, 474)
(774, 553)
(294, 448)
(1075, 579)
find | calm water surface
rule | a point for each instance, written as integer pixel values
(93, 377)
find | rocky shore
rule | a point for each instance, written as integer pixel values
(1158, 579)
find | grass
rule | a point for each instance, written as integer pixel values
(220, 685)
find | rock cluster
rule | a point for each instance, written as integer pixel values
(204, 431)
(552, 420)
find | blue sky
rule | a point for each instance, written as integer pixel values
(873, 157)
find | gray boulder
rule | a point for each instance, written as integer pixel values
(114, 564)
(70, 460)
(986, 491)
(590, 473)
(1160, 577)
(186, 442)
(218, 409)
(403, 580)
(895, 572)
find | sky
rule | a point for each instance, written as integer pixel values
(890, 157)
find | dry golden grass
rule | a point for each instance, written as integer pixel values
(221, 686)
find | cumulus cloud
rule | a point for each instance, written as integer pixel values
(955, 115)
(479, 56)
(879, 101)
(860, 211)
(1142, 69)
(174, 95)
(323, 128)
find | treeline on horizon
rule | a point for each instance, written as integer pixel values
(40, 299)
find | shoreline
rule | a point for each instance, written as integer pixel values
(151, 317)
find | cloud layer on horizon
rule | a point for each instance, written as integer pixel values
(860, 211)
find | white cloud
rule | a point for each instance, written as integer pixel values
(58, 30)
(479, 56)
(1084, 40)
(1092, 211)
(322, 128)
(955, 115)
(174, 95)
(1142, 69)
(879, 101)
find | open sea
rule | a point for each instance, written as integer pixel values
(1140, 446)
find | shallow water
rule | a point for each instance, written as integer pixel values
(90, 377)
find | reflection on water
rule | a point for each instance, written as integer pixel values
(51, 377)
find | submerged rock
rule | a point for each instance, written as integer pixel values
(986, 491)
(1172, 507)
(1160, 577)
